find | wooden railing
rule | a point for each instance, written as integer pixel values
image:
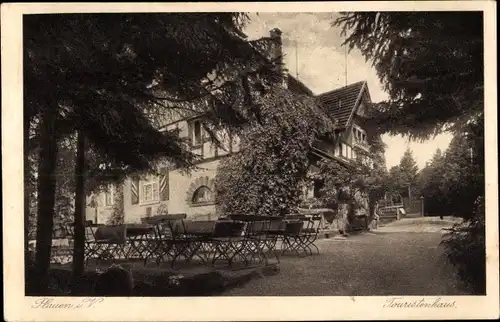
(390, 212)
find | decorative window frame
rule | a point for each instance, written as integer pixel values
(195, 185)
(155, 198)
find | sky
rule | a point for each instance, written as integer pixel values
(313, 49)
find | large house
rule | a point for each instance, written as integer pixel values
(193, 194)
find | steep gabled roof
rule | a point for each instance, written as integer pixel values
(295, 85)
(340, 103)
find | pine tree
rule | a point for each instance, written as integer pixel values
(404, 175)
(430, 64)
(114, 78)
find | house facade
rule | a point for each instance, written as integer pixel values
(193, 194)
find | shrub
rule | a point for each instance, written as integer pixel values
(465, 249)
(116, 281)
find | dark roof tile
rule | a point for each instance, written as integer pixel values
(340, 102)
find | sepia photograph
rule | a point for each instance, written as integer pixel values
(245, 153)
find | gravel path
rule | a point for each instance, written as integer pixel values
(403, 258)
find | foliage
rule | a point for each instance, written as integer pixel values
(118, 75)
(103, 68)
(116, 78)
(265, 177)
(466, 249)
(408, 166)
(451, 183)
(162, 210)
(430, 184)
(405, 174)
(430, 64)
(30, 193)
(118, 213)
(312, 203)
(64, 209)
(365, 175)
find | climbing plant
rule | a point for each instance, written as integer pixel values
(355, 181)
(118, 213)
(265, 176)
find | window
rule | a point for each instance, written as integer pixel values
(338, 149)
(344, 150)
(202, 194)
(359, 135)
(197, 133)
(150, 191)
(318, 185)
(109, 196)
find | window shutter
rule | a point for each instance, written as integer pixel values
(134, 190)
(164, 188)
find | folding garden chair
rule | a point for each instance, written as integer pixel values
(291, 238)
(198, 235)
(256, 233)
(138, 239)
(229, 242)
(92, 247)
(168, 242)
(274, 234)
(309, 234)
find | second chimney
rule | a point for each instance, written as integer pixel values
(276, 52)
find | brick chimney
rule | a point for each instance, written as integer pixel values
(276, 52)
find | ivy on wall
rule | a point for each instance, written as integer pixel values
(266, 176)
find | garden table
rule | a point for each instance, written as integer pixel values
(228, 241)
(112, 240)
(138, 240)
(168, 241)
(263, 233)
(327, 215)
(199, 234)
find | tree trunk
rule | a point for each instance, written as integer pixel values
(46, 198)
(79, 223)
(27, 257)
